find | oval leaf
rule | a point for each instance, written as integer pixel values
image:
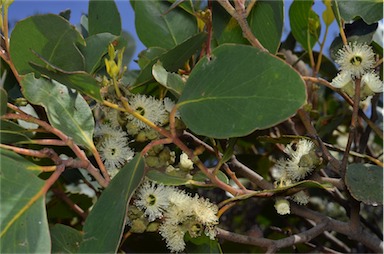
(66, 109)
(156, 28)
(240, 90)
(105, 223)
(365, 183)
(23, 219)
(50, 36)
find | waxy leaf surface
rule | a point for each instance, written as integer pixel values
(239, 90)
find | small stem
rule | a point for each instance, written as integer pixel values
(353, 127)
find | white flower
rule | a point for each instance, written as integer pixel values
(185, 162)
(109, 131)
(111, 115)
(356, 58)
(115, 153)
(372, 82)
(173, 235)
(205, 211)
(343, 79)
(282, 206)
(300, 163)
(169, 104)
(149, 108)
(153, 199)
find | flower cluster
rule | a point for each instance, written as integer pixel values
(300, 162)
(356, 61)
(178, 212)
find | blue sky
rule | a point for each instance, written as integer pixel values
(21, 9)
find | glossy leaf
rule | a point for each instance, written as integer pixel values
(65, 239)
(173, 59)
(305, 23)
(171, 81)
(52, 37)
(105, 223)
(96, 48)
(24, 226)
(66, 109)
(266, 21)
(157, 29)
(103, 17)
(369, 11)
(3, 101)
(365, 183)
(224, 100)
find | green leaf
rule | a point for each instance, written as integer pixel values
(157, 29)
(200, 177)
(66, 109)
(305, 23)
(23, 222)
(369, 11)
(103, 17)
(105, 223)
(11, 158)
(3, 101)
(171, 81)
(96, 48)
(52, 37)
(11, 133)
(266, 21)
(160, 177)
(365, 183)
(222, 99)
(146, 56)
(65, 239)
(78, 80)
(173, 59)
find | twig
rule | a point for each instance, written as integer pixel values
(239, 14)
(353, 127)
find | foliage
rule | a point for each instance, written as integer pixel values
(272, 145)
